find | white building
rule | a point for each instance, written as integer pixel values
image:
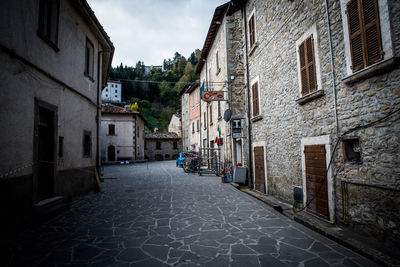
(122, 134)
(112, 93)
(175, 125)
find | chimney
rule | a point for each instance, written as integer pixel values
(127, 107)
(155, 130)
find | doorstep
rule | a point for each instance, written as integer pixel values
(376, 250)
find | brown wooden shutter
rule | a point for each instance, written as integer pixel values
(307, 66)
(372, 31)
(364, 31)
(255, 99)
(251, 31)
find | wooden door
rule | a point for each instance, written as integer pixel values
(259, 172)
(111, 153)
(316, 180)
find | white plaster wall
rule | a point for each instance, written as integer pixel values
(124, 138)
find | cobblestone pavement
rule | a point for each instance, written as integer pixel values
(156, 215)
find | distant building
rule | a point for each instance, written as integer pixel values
(175, 125)
(147, 69)
(162, 146)
(51, 83)
(122, 134)
(112, 93)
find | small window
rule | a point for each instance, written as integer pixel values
(217, 62)
(352, 150)
(175, 145)
(252, 31)
(106, 95)
(219, 109)
(87, 144)
(158, 145)
(48, 21)
(112, 85)
(116, 96)
(106, 90)
(89, 61)
(167, 156)
(307, 66)
(198, 125)
(254, 91)
(205, 120)
(111, 129)
(116, 91)
(193, 127)
(60, 146)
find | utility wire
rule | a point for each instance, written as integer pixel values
(145, 81)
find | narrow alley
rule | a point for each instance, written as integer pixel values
(154, 214)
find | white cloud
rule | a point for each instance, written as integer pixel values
(153, 30)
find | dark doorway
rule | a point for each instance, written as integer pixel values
(111, 153)
(45, 139)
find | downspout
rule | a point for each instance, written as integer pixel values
(98, 110)
(248, 100)
(328, 25)
(344, 201)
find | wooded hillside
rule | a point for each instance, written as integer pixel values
(156, 92)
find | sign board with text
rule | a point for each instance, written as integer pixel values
(213, 96)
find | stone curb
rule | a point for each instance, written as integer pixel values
(322, 228)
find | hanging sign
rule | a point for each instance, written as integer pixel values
(213, 96)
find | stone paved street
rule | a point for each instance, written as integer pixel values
(155, 214)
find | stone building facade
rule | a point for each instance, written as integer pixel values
(221, 69)
(122, 134)
(162, 146)
(55, 59)
(175, 125)
(316, 97)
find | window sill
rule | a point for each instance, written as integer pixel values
(309, 97)
(256, 118)
(253, 48)
(377, 68)
(89, 77)
(48, 41)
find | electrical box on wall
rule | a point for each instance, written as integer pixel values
(237, 128)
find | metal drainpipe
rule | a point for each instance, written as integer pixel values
(334, 93)
(248, 100)
(333, 67)
(98, 111)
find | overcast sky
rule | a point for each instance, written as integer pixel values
(153, 30)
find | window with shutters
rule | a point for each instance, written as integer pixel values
(252, 30)
(367, 38)
(307, 66)
(111, 129)
(255, 99)
(217, 63)
(364, 33)
(211, 117)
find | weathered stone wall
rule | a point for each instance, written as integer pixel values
(167, 150)
(373, 184)
(237, 96)
(274, 64)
